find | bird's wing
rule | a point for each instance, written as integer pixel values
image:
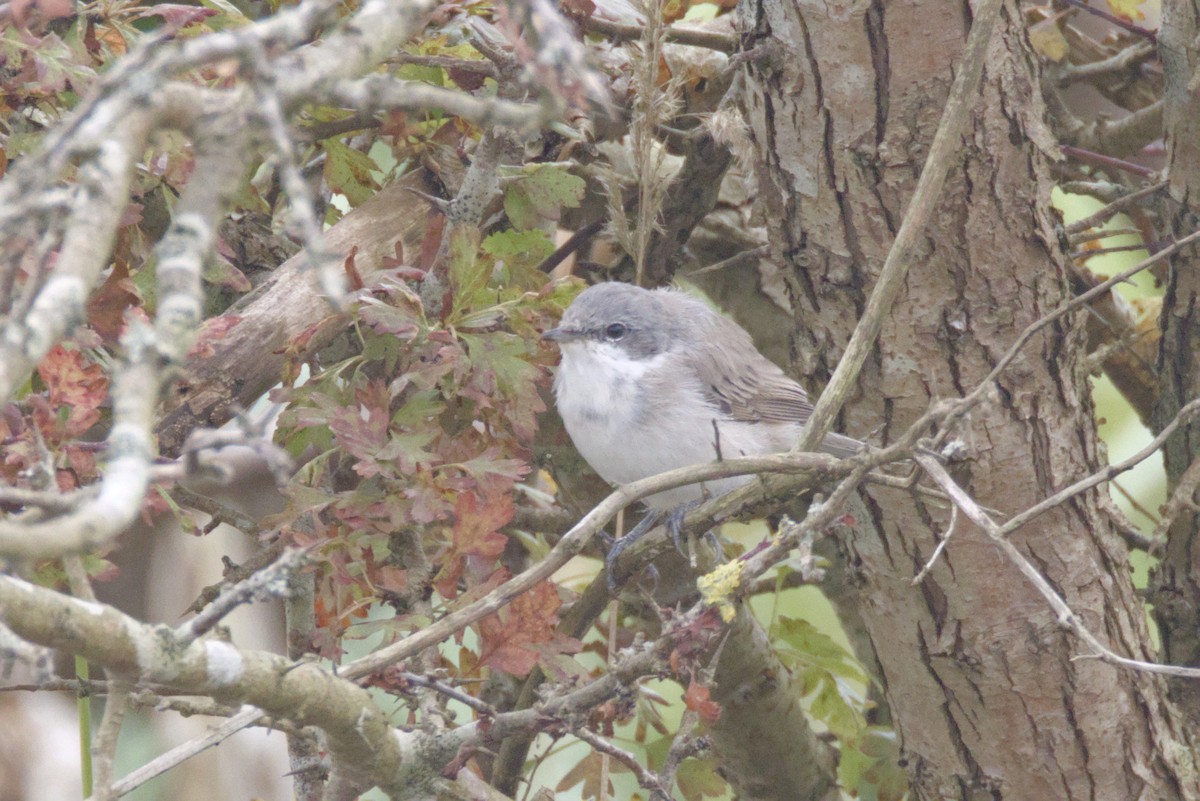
(743, 383)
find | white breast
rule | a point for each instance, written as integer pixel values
(629, 422)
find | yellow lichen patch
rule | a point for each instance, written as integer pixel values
(717, 588)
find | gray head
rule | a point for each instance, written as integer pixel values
(639, 321)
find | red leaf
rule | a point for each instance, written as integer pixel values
(353, 276)
(74, 384)
(698, 700)
(107, 305)
(362, 431)
(514, 638)
(476, 535)
(176, 15)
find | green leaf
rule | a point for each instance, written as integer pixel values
(499, 364)
(698, 779)
(541, 196)
(519, 248)
(468, 273)
(553, 188)
(831, 708)
(349, 172)
(810, 647)
(418, 409)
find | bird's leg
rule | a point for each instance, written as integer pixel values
(675, 526)
(648, 521)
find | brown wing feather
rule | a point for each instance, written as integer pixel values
(740, 380)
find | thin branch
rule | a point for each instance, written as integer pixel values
(941, 546)
(299, 193)
(1118, 62)
(646, 777)
(375, 92)
(1066, 616)
(270, 582)
(1102, 233)
(482, 707)
(1113, 19)
(1108, 162)
(624, 32)
(1128, 134)
(1113, 208)
(104, 749)
(478, 66)
(1182, 497)
(248, 716)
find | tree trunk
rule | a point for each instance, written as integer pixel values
(988, 694)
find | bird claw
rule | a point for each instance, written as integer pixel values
(647, 522)
(674, 524)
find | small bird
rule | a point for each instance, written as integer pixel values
(652, 380)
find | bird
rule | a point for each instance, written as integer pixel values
(655, 379)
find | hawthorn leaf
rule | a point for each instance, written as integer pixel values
(541, 195)
(476, 533)
(500, 362)
(519, 248)
(468, 273)
(698, 779)
(75, 386)
(830, 707)
(362, 432)
(514, 638)
(698, 699)
(106, 307)
(811, 647)
(349, 172)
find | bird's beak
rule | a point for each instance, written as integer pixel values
(561, 334)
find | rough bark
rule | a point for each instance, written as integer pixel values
(986, 690)
(1175, 585)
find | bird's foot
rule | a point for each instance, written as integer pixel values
(685, 546)
(648, 521)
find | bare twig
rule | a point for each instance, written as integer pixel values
(1118, 62)
(1108, 162)
(271, 582)
(104, 748)
(1113, 208)
(383, 92)
(1066, 616)
(712, 40)
(182, 753)
(941, 546)
(646, 777)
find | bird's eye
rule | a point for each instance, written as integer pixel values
(616, 331)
